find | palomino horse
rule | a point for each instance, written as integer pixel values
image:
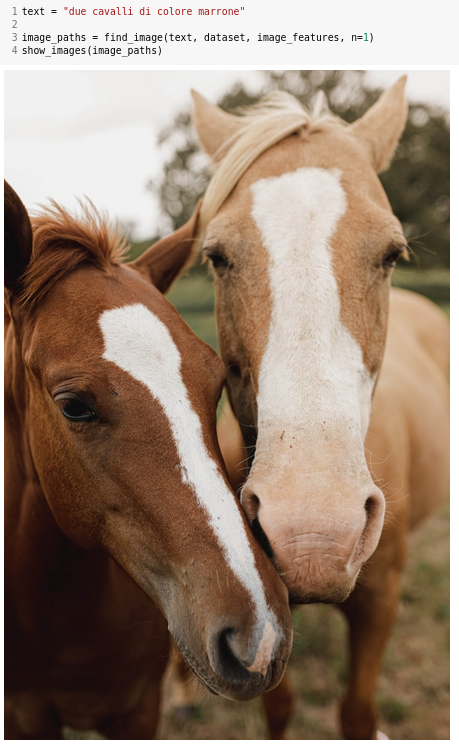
(303, 243)
(116, 494)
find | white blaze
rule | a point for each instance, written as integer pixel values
(141, 345)
(312, 370)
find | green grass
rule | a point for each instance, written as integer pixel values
(392, 709)
(193, 296)
(433, 283)
(194, 292)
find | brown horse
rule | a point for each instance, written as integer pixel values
(303, 243)
(116, 494)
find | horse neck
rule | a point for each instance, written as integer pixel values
(26, 510)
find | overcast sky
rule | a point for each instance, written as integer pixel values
(69, 133)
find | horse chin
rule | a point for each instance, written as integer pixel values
(300, 592)
(243, 687)
(335, 591)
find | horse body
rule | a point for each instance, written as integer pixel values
(410, 410)
(116, 494)
(91, 657)
(303, 242)
(408, 455)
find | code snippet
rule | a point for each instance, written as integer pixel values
(92, 35)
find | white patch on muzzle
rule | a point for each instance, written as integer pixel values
(141, 345)
(312, 372)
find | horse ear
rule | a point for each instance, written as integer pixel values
(18, 239)
(163, 261)
(213, 125)
(381, 127)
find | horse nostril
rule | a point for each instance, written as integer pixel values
(250, 504)
(373, 507)
(228, 655)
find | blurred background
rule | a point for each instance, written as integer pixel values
(125, 139)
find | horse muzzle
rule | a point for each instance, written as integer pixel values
(242, 666)
(318, 546)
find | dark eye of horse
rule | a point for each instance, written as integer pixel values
(76, 410)
(219, 260)
(390, 259)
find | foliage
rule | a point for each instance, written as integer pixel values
(417, 182)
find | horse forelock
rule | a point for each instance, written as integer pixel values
(274, 118)
(63, 241)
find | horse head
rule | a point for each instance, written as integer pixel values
(303, 242)
(111, 401)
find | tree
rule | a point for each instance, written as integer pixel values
(417, 183)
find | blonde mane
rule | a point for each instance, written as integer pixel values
(275, 117)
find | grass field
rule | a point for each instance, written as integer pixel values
(193, 296)
(434, 283)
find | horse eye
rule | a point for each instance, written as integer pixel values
(75, 410)
(391, 258)
(218, 259)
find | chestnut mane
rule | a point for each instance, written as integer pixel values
(63, 241)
